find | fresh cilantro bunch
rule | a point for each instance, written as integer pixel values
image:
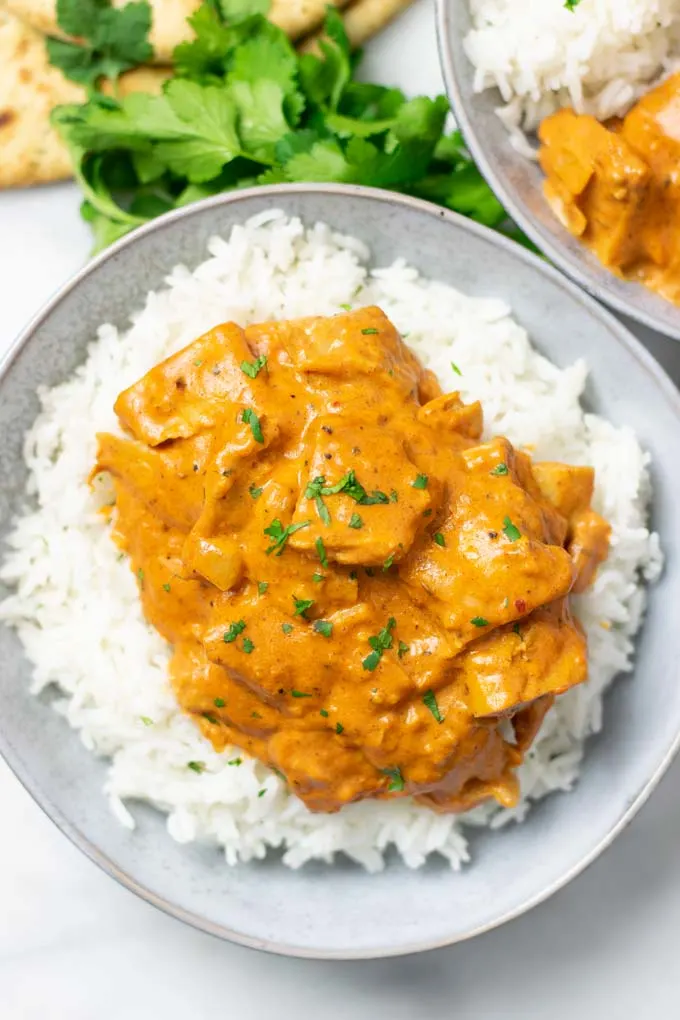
(243, 108)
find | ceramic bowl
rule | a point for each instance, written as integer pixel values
(517, 181)
(341, 911)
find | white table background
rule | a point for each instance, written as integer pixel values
(75, 946)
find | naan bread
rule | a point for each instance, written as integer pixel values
(362, 19)
(31, 151)
(169, 26)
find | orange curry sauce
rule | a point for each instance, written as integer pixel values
(358, 591)
(617, 187)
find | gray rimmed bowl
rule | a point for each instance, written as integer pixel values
(340, 911)
(517, 181)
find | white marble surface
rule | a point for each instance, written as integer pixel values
(74, 945)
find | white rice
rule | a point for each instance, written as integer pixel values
(75, 602)
(598, 58)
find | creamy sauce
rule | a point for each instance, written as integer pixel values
(357, 590)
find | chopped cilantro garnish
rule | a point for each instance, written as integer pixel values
(510, 530)
(402, 649)
(321, 552)
(281, 535)
(211, 718)
(349, 485)
(369, 332)
(251, 368)
(196, 766)
(140, 576)
(324, 713)
(455, 368)
(356, 521)
(286, 627)
(248, 645)
(571, 5)
(515, 629)
(339, 728)
(324, 627)
(234, 630)
(380, 643)
(397, 780)
(348, 308)
(250, 418)
(255, 492)
(388, 562)
(235, 761)
(318, 578)
(394, 496)
(430, 701)
(371, 498)
(166, 587)
(439, 539)
(315, 491)
(262, 587)
(261, 793)
(479, 621)
(500, 469)
(219, 702)
(255, 715)
(353, 575)
(302, 605)
(145, 719)
(420, 482)
(300, 694)
(198, 364)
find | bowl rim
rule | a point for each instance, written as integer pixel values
(556, 252)
(634, 347)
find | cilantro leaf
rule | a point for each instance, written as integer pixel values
(239, 10)
(396, 779)
(249, 417)
(281, 535)
(381, 642)
(261, 120)
(267, 56)
(112, 40)
(206, 55)
(430, 702)
(199, 125)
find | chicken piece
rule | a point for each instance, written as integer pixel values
(588, 546)
(367, 520)
(495, 559)
(347, 347)
(167, 479)
(596, 185)
(515, 666)
(570, 490)
(568, 487)
(191, 390)
(449, 415)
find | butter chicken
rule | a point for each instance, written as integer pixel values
(617, 186)
(359, 590)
